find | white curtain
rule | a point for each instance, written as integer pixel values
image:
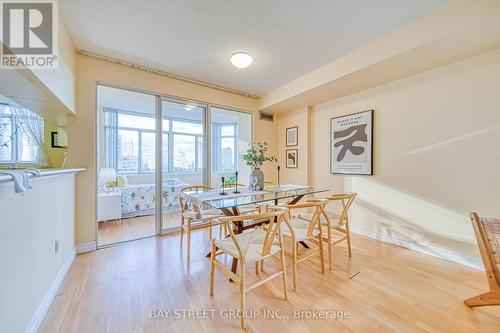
(32, 124)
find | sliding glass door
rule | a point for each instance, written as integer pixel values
(125, 165)
(184, 154)
(149, 147)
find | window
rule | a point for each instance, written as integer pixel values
(225, 150)
(128, 151)
(187, 127)
(130, 143)
(165, 152)
(130, 140)
(231, 136)
(147, 152)
(16, 146)
(184, 153)
(139, 122)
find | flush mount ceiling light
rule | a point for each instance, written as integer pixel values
(241, 59)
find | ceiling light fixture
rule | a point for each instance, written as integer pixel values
(241, 59)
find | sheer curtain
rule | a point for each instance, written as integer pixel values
(32, 124)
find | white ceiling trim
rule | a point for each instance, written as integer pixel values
(163, 73)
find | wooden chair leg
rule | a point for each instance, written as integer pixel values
(262, 265)
(283, 268)
(182, 235)
(489, 298)
(294, 264)
(348, 234)
(242, 293)
(257, 267)
(329, 244)
(212, 268)
(188, 245)
(321, 252)
(210, 230)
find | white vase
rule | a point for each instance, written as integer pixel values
(259, 175)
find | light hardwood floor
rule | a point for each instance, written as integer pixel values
(385, 288)
(111, 232)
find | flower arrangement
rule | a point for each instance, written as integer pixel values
(256, 155)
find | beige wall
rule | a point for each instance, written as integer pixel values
(81, 128)
(301, 119)
(436, 154)
(56, 155)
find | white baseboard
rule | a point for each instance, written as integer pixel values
(86, 247)
(42, 309)
(432, 250)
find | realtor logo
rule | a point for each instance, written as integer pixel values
(29, 34)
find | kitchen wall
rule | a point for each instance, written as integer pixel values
(33, 266)
(60, 83)
(56, 155)
(82, 127)
(436, 155)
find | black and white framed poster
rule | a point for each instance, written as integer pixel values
(351, 144)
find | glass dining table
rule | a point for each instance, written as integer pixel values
(232, 201)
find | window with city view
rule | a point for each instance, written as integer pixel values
(134, 151)
(15, 144)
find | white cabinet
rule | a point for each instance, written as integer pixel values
(109, 206)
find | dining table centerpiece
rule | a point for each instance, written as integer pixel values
(255, 157)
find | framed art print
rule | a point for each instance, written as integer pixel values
(54, 140)
(351, 144)
(292, 158)
(292, 136)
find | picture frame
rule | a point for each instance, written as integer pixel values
(54, 140)
(292, 136)
(351, 144)
(292, 158)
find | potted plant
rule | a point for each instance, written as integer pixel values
(256, 157)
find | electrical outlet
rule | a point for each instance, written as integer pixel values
(56, 247)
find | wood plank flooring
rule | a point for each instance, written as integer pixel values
(111, 232)
(385, 288)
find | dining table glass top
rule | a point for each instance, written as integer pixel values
(217, 200)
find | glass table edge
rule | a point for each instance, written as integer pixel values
(213, 202)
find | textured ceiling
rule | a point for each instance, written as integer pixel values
(194, 39)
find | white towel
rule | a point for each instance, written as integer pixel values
(21, 180)
(34, 171)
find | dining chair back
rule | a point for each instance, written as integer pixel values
(300, 230)
(347, 200)
(251, 246)
(194, 217)
(192, 188)
(333, 222)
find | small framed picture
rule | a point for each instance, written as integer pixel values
(292, 156)
(292, 136)
(55, 140)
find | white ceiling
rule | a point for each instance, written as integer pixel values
(194, 39)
